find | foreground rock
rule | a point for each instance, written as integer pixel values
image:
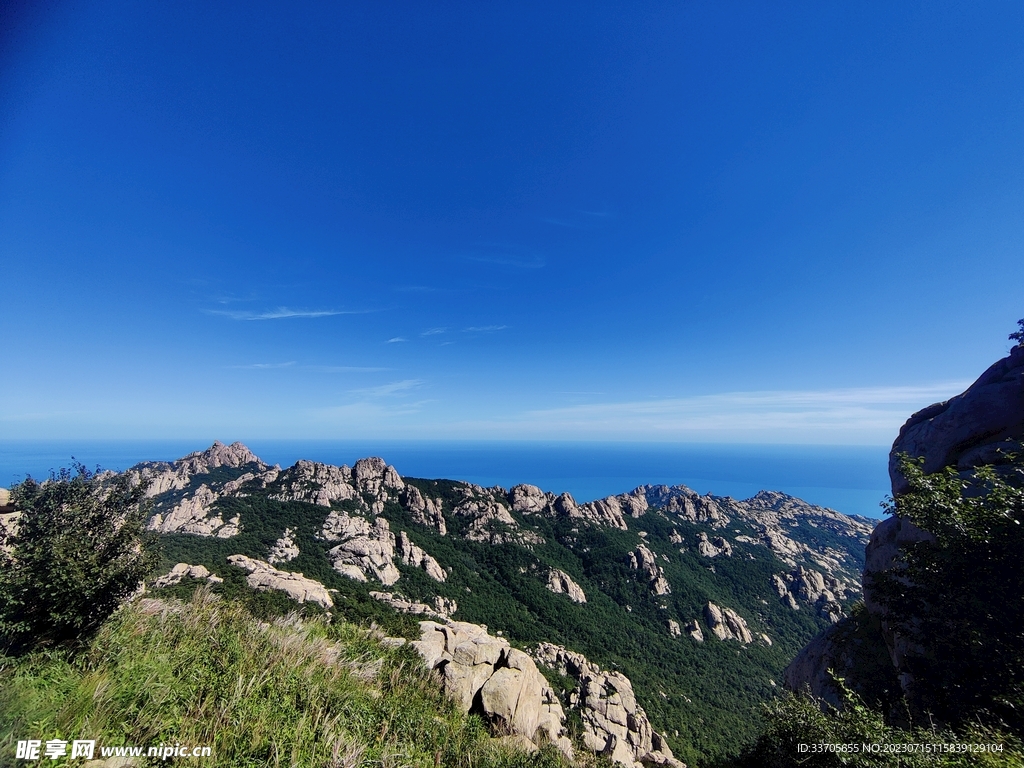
(264, 576)
(484, 674)
(614, 724)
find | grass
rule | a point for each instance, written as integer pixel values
(261, 693)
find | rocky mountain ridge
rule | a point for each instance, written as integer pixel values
(692, 574)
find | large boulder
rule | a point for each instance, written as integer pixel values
(484, 674)
(964, 430)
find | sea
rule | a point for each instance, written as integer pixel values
(850, 479)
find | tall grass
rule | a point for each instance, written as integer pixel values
(281, 693)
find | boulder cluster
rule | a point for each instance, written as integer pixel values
(263, 576)
(614, 724)
(484, 674)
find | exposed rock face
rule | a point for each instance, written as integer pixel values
(264, 576)
(673, 628)
(694, 631)
(614, 724)
(560, 583)
(175, 475)
(687, 504)
(964, 430)
(425, 511)
(726, 624)
(713, 547)
(365, 548)
(314, 483)
(809, 670)
(186, 571)
(194, 514)
(484, 674)
(530, 500)
(490, 519)
(813, 588)
(442, 608)
(642, 559)
(284, 549)
(412, 555)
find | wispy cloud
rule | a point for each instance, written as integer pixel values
(343, 369)
(395, 340)
(855, 415)
(433, 331)
(386, 390)
(282, 313)
(484, 328)
(263, 366)
(506, 255)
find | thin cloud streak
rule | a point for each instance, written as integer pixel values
(283, 313)
(433, 331)
(860, 411)
(343, 369)
(385, 390)
(395, 340)
(484, 328)
(262, 366)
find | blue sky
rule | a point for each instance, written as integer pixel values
(728, 222)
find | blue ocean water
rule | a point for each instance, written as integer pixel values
(851, 479)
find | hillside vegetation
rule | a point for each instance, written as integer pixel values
(284, 692)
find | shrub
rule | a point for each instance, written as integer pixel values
(77, 551)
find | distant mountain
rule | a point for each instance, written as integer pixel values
(701, 601)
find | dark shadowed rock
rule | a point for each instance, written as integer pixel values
(964, 429)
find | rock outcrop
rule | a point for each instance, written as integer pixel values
(822, 592)
(424, 510)
(642, 560)
(490, 520)
(726, 624)
(412, 555)
(284, 549)
(186, 571)
(979, 426)
(713, 547)
(965, 431)
(264, 576)
(366, 548)
(484, 674)
(694, 631)
(442, 608)
(166, 476)
(561, 583)
(614, 724)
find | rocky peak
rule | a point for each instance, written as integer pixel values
(965, 430)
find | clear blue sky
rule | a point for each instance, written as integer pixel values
(752, 222)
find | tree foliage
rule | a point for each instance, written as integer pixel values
(1018, 336)
(76, 552)
(960, 600)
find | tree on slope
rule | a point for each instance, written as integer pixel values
(76, 552)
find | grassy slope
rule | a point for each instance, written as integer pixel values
(282, 693)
